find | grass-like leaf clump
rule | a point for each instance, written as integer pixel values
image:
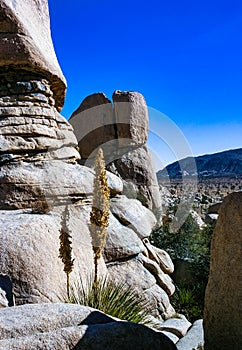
(186, 301)
(114, 299)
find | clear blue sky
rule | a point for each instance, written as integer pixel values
(184, 56)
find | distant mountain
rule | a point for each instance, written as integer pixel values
(222, 164)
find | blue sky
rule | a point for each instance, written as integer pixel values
(185, 57)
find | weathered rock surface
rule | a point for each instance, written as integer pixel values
(121, 242)
(131, 213)
(116, 128)
(140, 181)
(26, 43)
(161, 257)
(178, 326)
(94, 125)
(162, 279)
(31, 128)
(29, 248)
(193, 338)
(114, 183)
(73, 327)
(160, 302)
(134, 273)
(223, 313)
(131, 116)
(56, 182)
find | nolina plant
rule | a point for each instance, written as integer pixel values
(65, 248)
(99, 217)
(115, 299)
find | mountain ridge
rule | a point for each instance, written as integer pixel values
(221, 164)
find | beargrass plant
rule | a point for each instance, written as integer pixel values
(115, 299)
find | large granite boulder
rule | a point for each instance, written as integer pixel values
(94, 125)
(73, 327)
(26, 45)
(23, 184)
(121, 242)
(29, 248)
(131, 116)
(31, 127)
(140, 181)
(136, 274)
(117, 128)
(133, 214)
(194, 339)
(222, 314)
(26, 185)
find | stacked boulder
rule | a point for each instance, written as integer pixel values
(40, 176)
(121, 129)
(38, 158)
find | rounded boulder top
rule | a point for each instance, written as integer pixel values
(26, 43)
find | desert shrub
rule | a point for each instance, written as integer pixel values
(187, 301)
(193, 245)
(114, 299)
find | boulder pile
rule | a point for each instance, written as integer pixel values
(40, 176)
(121, 128)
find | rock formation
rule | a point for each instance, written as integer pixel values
(118, 127)
(121, 129)
(223, 307)
(139, 177)
(26, 46)
(73, 327)
(40, 176)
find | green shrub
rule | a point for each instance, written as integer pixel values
(187, 301)
(191, 244)
(114, 299)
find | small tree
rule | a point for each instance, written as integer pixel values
(99, 216)
(65, 248)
